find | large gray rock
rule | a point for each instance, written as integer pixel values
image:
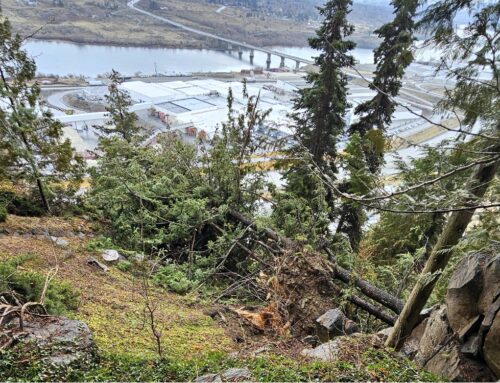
(439, 352)
(464, 291)
(454, 365)
(64, 343)
(209, 378)
(433, 336)
(111, 255)
(230, 375)
(327, 352)
(61, 242)
(237, 375)
(491, 283)
(331, 324)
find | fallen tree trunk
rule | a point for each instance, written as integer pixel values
(371, 291)
(377, 312)
(374, 292)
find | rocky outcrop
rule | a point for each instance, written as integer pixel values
(62, 343)
(439, 351)
(461, 339)
(491, 347)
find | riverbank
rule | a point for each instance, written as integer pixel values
(361, 42)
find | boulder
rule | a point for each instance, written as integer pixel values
(438, 351)
(61, 242)
(384, 333)
(330, 324)
(64, 343)
(464, 291)
(237, 375)
(434, 333)
(209, 378)
(326, 352)
(491, 283)
(350, 327)
(230, 375)
(453, 364)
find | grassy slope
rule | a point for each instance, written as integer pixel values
(111, 304)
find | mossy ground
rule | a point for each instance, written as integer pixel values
(111, 303)
(112, 306)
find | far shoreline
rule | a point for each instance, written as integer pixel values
(70, 40)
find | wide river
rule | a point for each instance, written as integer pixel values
(62, 58)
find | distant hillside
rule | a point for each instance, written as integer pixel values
(260, 22)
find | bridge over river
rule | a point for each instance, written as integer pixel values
(231, 44)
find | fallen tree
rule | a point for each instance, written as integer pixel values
(335, 271)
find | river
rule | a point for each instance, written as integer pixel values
(63, 58)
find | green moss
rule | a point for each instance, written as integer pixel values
(372, 365)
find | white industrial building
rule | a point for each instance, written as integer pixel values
(197, 108)
(202, 104)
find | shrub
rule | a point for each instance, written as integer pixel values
(124, 266)
(21, 204)
(174, 277)
(60, 296)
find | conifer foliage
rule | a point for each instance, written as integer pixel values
(320, 109)
(33, 151)
(392, 58)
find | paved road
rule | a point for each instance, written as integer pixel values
(131, 4)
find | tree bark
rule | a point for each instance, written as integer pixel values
(375, 293)
(441, 254)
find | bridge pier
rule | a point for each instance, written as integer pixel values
(252, 55)
(297, 65)
(240, 53)
(229, 48)
(268, 61)
(282, 63)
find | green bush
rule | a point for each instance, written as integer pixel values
(23, 205)
(174, 277)
(124, 266)
(60, 296)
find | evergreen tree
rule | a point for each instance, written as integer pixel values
(477, 97)
(392, 58)
(121, 121)
(320, 109)
(31, 141)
